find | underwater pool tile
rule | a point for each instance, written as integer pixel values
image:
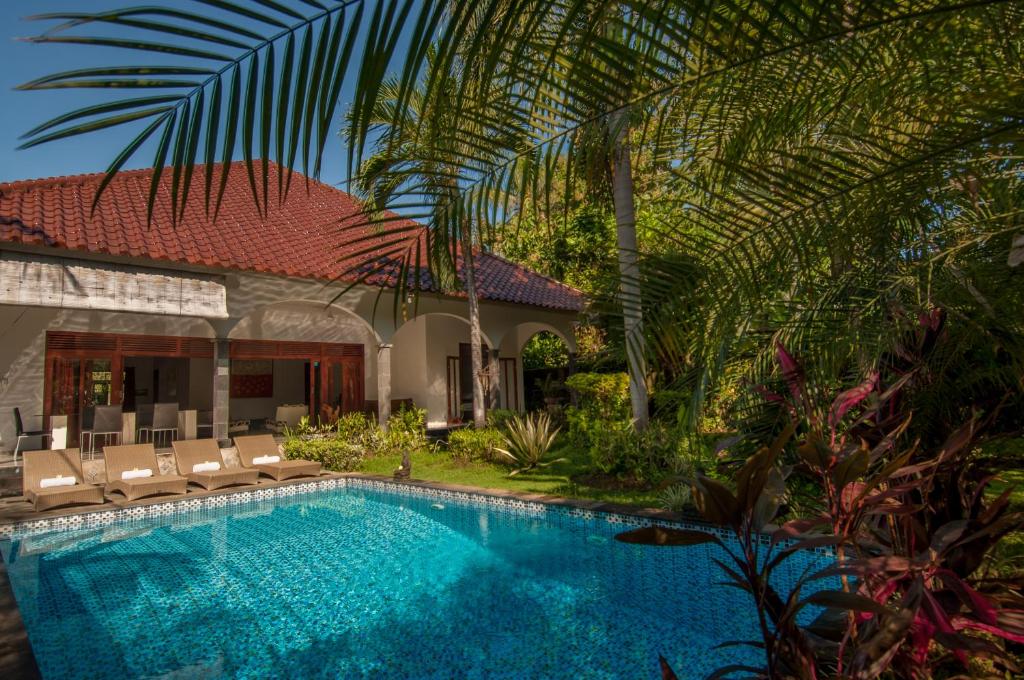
(366, 579)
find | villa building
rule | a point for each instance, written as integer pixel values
(237, 319)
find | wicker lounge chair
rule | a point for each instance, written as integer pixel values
(259, 445)
(189, 453)
(121, 459)
(40, 465)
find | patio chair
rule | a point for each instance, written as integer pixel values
(22, 433)
(165, 420)
(107, 421)
(259, 451)
(127, 468)
(53, 479)
(200, 460)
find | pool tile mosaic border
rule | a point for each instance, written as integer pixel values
(506, 504)
(102, 518)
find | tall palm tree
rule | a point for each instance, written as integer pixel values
(420, 155)
(629, 273)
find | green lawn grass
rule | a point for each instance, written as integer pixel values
(1010, 551)
(561, 479)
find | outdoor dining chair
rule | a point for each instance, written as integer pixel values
(165, 421)
(19, 428)
(108, 421)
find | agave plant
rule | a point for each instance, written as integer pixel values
(676, 497)
(528, 441)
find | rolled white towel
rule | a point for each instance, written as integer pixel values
(206, 467)
(266, 460)
(136, 474)
(59, 480)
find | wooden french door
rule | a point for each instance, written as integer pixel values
(342, 384)
(509, 384)
(452, 389)
(336, 370)
(459, 381)
(84, 370)
(77, 385)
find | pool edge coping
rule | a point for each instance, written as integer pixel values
(17, 660)
(84, 516)
(604, 507)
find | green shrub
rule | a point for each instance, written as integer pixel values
(407, 430)
(306, 427)
(616, 448)
(676, 498)
(356, 436)
(353, 427)
(602, 403)
(329, 450)
(607, 393)
(602, 426)
(499, 417)
(670, 403)
(468, 444)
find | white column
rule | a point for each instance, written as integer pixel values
(494, 371)
(58, 432)
(383, 383)
(221, 390)
(187, 421)
(127, 428)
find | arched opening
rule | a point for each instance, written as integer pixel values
(546, 366)
(296, 358)
(534, 361)
(431, 363)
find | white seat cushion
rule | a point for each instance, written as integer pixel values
(59, 480)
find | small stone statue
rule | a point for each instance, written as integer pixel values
(405, 469)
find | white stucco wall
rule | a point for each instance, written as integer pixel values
(409, 360)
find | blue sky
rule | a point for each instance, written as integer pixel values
(21, 111)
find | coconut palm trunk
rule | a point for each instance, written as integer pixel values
(629, 269)
(475, 342)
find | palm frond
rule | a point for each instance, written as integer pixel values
(253, 72)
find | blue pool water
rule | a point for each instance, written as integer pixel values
(372, 583)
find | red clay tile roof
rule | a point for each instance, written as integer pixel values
(303, 237)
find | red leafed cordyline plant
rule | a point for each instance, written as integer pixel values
(910, 527)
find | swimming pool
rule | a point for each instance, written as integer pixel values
(373, 580)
